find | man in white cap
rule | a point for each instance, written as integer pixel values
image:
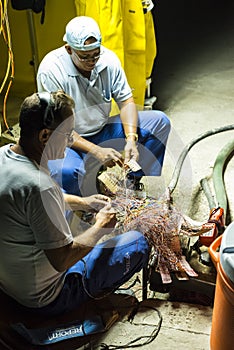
(92, 75)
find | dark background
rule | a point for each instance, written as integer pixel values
(184, 28)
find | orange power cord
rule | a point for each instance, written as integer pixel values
(9, 75)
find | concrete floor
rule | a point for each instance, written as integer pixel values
(183, 325)
(194, 85)
(193, 80)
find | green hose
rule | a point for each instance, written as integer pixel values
(177, 170)
(220, 165)
(206, 189)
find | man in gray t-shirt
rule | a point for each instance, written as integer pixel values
(42, 265)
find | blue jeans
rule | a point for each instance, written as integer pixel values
(104, 269)
(77, 172)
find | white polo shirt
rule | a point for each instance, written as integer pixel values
(92, 96)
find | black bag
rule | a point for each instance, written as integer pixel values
(36, 6)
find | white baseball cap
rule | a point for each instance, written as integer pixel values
(79, 29)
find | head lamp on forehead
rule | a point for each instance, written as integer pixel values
(79, 29)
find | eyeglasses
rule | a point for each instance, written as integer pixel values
(88, 59)
(68, 135)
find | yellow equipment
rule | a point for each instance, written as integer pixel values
(127, 29)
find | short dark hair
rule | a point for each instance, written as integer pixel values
(44, 110)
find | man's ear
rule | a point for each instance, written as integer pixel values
(69, 49)
(44, 135)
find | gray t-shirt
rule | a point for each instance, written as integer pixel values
(92, 96)
(31, 220)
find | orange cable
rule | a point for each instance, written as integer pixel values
(7, 38)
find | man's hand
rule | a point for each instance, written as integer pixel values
(106, 217)
(130, 151)
(108, 156)
(93, 203)
(66, 256)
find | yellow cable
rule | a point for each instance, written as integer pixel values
(3, 10)
(1, 16)
(10, 65)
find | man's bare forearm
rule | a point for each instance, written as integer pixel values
(81, 144)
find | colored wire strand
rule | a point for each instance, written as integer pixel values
(9, 75)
